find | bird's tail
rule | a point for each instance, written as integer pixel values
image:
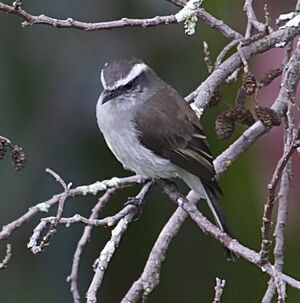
(219, 217)
(208, 193)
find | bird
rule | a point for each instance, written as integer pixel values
(153, 131)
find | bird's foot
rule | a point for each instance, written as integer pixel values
(137, 202)
(134, 201)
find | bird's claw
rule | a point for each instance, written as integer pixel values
(137, 202)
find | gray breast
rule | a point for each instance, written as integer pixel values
(115, 120)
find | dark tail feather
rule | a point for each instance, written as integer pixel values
(219, 217)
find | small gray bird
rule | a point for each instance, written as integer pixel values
(153, 131)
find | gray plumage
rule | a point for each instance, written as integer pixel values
(152, 131)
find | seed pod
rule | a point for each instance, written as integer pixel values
(267, 116)
(18, 157)
(224, 125)
(243, 116)
(249, 83)
(3, 148)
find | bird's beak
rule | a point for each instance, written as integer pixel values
(105, 96)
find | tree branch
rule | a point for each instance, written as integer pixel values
(213, 22)
(78, 191)
(279, 233)
(204, 92)
(54, 222)
(252, 19)
(7, 257)
(288, 85)
(106, 254)
(224, 51)
(86, 26)
(283, 194)
(86, 235)
(267, 216)
(219, 288)
(150, 276)
(232, 244)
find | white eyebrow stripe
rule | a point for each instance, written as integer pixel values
(134, 72)
(103, 80)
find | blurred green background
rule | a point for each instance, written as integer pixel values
(49, 85)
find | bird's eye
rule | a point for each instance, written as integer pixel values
(129, 85)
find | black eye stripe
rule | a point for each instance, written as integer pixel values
(118, 91)
(129, 84)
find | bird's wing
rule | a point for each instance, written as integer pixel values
(173, 131)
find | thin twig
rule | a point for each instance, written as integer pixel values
(268, 208)
(242, 57)
(93, 189)
(52, 230)
(71, 23)
(279, 234)
(107, 252)
(219, 25)
(54, 221)
(65, 193)
(224, 51)
(204, 92)
(150, 276)
(86, 26)
(248, 8)
(232, 244)
(252, 19)
(86, 235)
(219, 288)
(233, 76)
(283, 203)
(213, 22)
(106, 222)
(6, 259)
(282, 198)
(288, 86)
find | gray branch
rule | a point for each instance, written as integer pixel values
(7, 257)
(232, 244)
(252, 19)
(86, 26)
(150, 276)
(213, 22)
(106, 254)
(204, 92)
(219, 288)
(289, 84)
(283, 197)
(8, 229)
(86, 235)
